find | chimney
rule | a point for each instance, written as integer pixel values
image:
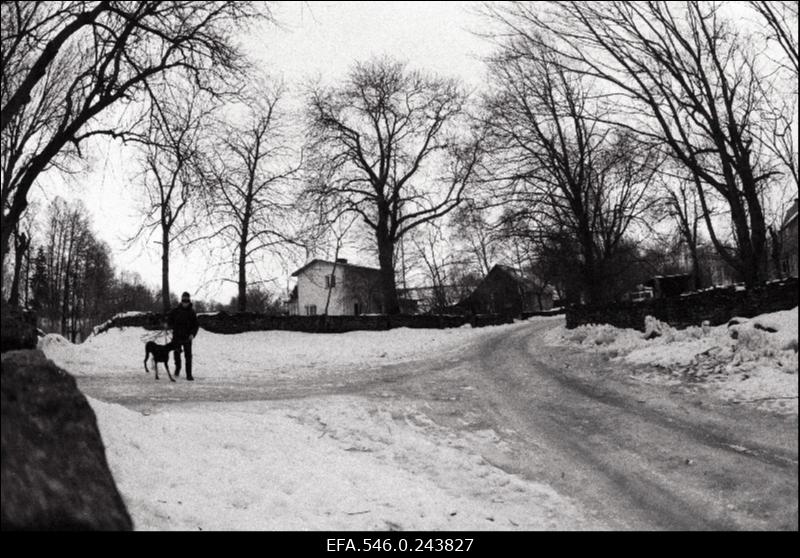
(341, 260)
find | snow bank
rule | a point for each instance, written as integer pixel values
(334, 464)
(264, 353)
(98, 328)
(750, 360)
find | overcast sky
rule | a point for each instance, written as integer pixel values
(314, 40)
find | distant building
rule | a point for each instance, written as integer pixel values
(716, 271)
(353, 289)
(505, 291)
(788, 236)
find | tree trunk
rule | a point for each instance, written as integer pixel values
(592, 285)
(9, 223)
(776, 247)
(21, 244)
(165, 303)
(65, 302)
(391, 303)
(697, 273)
(242, 302)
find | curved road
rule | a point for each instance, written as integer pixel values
(635, 456)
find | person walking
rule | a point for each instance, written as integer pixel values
(183, 321)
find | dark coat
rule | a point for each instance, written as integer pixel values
(183, 322)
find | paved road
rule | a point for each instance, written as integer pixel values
(635, 456)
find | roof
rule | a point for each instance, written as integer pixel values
(338, 264)
(527, 281)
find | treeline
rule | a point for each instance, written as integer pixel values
(66, 275)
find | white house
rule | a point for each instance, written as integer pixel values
(353, 289)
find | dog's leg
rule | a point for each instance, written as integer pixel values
(145, 363)
(155, 362)
(166, 366)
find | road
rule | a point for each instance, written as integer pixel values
(633, 455)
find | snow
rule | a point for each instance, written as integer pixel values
(340, 463)
(283, 354)
(742, 362)
(107, 323)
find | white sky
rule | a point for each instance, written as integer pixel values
(314, 40)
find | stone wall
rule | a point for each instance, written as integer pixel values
(241, 322)
(54, 470)
(717, 306)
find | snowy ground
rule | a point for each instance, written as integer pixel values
(320, 464)
(752, 361)
(335, 462)
(262, 354)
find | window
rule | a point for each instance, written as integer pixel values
(357, 309)
(330, 281)
(311, 309)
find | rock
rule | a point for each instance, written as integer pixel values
(17, 329)
(54, 470)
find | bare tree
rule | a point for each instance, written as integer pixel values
(246, 192)
(22, 244)
(680, 75)
(780, 19)
(438, 258)
(473, 228)
(568, 174)
(385, 146)
(681, 204)
(171, 153)
(64, 64)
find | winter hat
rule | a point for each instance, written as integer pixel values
(185, 297)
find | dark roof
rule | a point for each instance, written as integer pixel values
(524, 280)
(338, 264)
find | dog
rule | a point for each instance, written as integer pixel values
(160, 354)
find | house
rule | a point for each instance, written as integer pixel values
(788, 236)
(345, 289)
(505, 291)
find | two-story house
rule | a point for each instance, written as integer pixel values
(344, 288)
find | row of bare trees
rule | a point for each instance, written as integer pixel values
(690, 85)
(598, 118)
(76, 70)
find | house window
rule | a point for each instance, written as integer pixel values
(330, 281)
(311, 310)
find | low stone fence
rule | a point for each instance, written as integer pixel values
(240, 322)
(716, 306)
